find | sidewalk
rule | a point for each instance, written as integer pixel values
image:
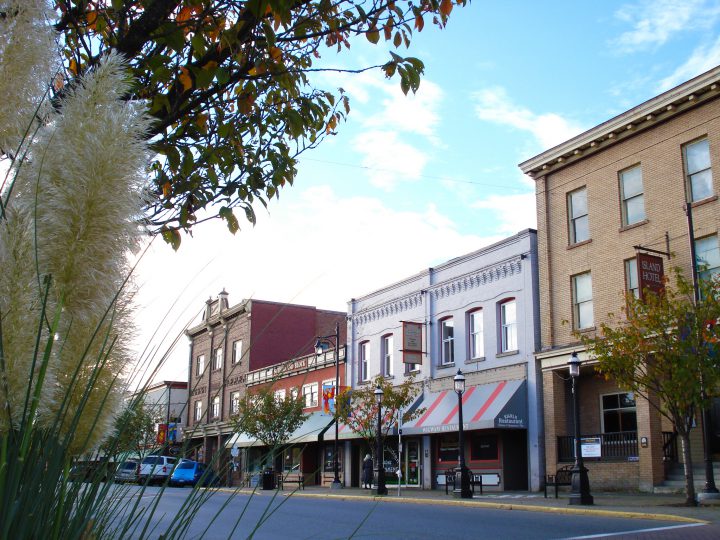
(621, 504)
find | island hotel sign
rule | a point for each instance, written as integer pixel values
(650, 274)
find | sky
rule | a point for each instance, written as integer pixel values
(411, 181)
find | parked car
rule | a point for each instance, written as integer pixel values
(89, 471)
(127, 471)
(190, 473)
(155, 469)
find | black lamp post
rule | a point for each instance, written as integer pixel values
(465, 492)
(580, 485)
(320, 346)
(381, 489)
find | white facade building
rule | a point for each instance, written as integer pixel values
(478, 314)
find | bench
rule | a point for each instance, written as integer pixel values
(562, 477)
(291, 478)
(451, 477)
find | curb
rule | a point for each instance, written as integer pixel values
(482, 504)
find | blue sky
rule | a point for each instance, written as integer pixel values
(409, 182)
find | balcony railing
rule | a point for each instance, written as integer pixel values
(621, 446)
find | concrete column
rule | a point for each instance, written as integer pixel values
(555, 414)
(347, 464)
(427, 476)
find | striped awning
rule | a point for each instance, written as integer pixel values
(486, 406)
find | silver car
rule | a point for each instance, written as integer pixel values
(127, 471)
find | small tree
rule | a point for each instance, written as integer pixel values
(269, 419)
(359, 410)
(663, 350)
(133, 431)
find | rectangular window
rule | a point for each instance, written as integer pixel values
(448, 447)
(578, 216)
(200, 365)
(632, 195)
(582, 301)
(707, 256)
(631, 277)
(215, 411)
(447, 342)
(236, 351)
(697, 169)
(475, 334)
(363, 354)
(217, 364)
(483, 447)
(387, 355)
(198, 411)
(619, 412)
(234, 402)
(280, 395)
(508, 326)
(310, 393)
(294, 393)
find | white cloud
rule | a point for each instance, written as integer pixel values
(654, 22)
(389, 158)
(702, 59)
(514, 212)
(315, 249)
(494, 105)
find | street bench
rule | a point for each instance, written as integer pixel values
(562, 477)
(451, 477)
(291, 478)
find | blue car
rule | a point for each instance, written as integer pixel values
(190, 473)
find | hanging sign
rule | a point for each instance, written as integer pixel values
(412, 342)
(650, 274)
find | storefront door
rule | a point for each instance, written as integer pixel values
(410, 463)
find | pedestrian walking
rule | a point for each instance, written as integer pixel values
(367, 471)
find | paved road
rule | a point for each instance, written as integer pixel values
(329, 518)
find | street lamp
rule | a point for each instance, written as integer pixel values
(465, 492)
(579, 485)
(320, 347)
(381, 489)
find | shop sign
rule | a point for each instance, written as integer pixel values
(650, 274)
(412, 342)
(591, 447)
(510, 420)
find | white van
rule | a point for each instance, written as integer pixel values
(155, 468)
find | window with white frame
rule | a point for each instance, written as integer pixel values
(578, 216)
(310, 394)
(631, 277)
(707, 256)
(294, 392)
(215, 410)
(198, 411)
(363, 358)
(582, 301)
(236, 351)
(387, 355)
(476, 344)
(218, 358)
(447, 342)
(234, 402)
(632, 195)
(619, 412)
(280, 395)
(200, 365)
(508, 326)
(697, 169)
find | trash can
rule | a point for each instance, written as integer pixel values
(268, 479)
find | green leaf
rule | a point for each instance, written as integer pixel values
(373, 35)
(172, 237)
(232, 222)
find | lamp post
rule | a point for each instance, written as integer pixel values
(465, 492)
(580, 485)
(320, 346)
(381, 489)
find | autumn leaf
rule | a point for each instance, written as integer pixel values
(58, 82)
(185, 79)
(275, 53)
(184, 15)
(373, 35)
(91, 19)
(73, 67)
(446, 7)
(419, 22)
(166, 190)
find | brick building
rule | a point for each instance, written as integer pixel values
(621, 184)
(229, 343)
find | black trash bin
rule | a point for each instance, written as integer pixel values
(268, 479)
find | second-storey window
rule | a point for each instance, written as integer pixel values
(198, 411)
(476, 343)
(215, 410)
(200, 365)
(697, 170)
(218, 359)
(387, 355)
(310, 392)
(234, 402)
(582, 301)
(631, 277)
(280, 395)
(578, 216)
(447, 342)
(707, 256)
(632, 195)
(236, 351)
(508, 326)
(363, 356)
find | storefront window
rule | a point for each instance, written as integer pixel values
(448, 448)
(484, 448)
(328, 461)
(291, 459)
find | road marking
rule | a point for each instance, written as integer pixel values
(654, 529)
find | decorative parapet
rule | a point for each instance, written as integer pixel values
(388, 309)
(302, 364)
